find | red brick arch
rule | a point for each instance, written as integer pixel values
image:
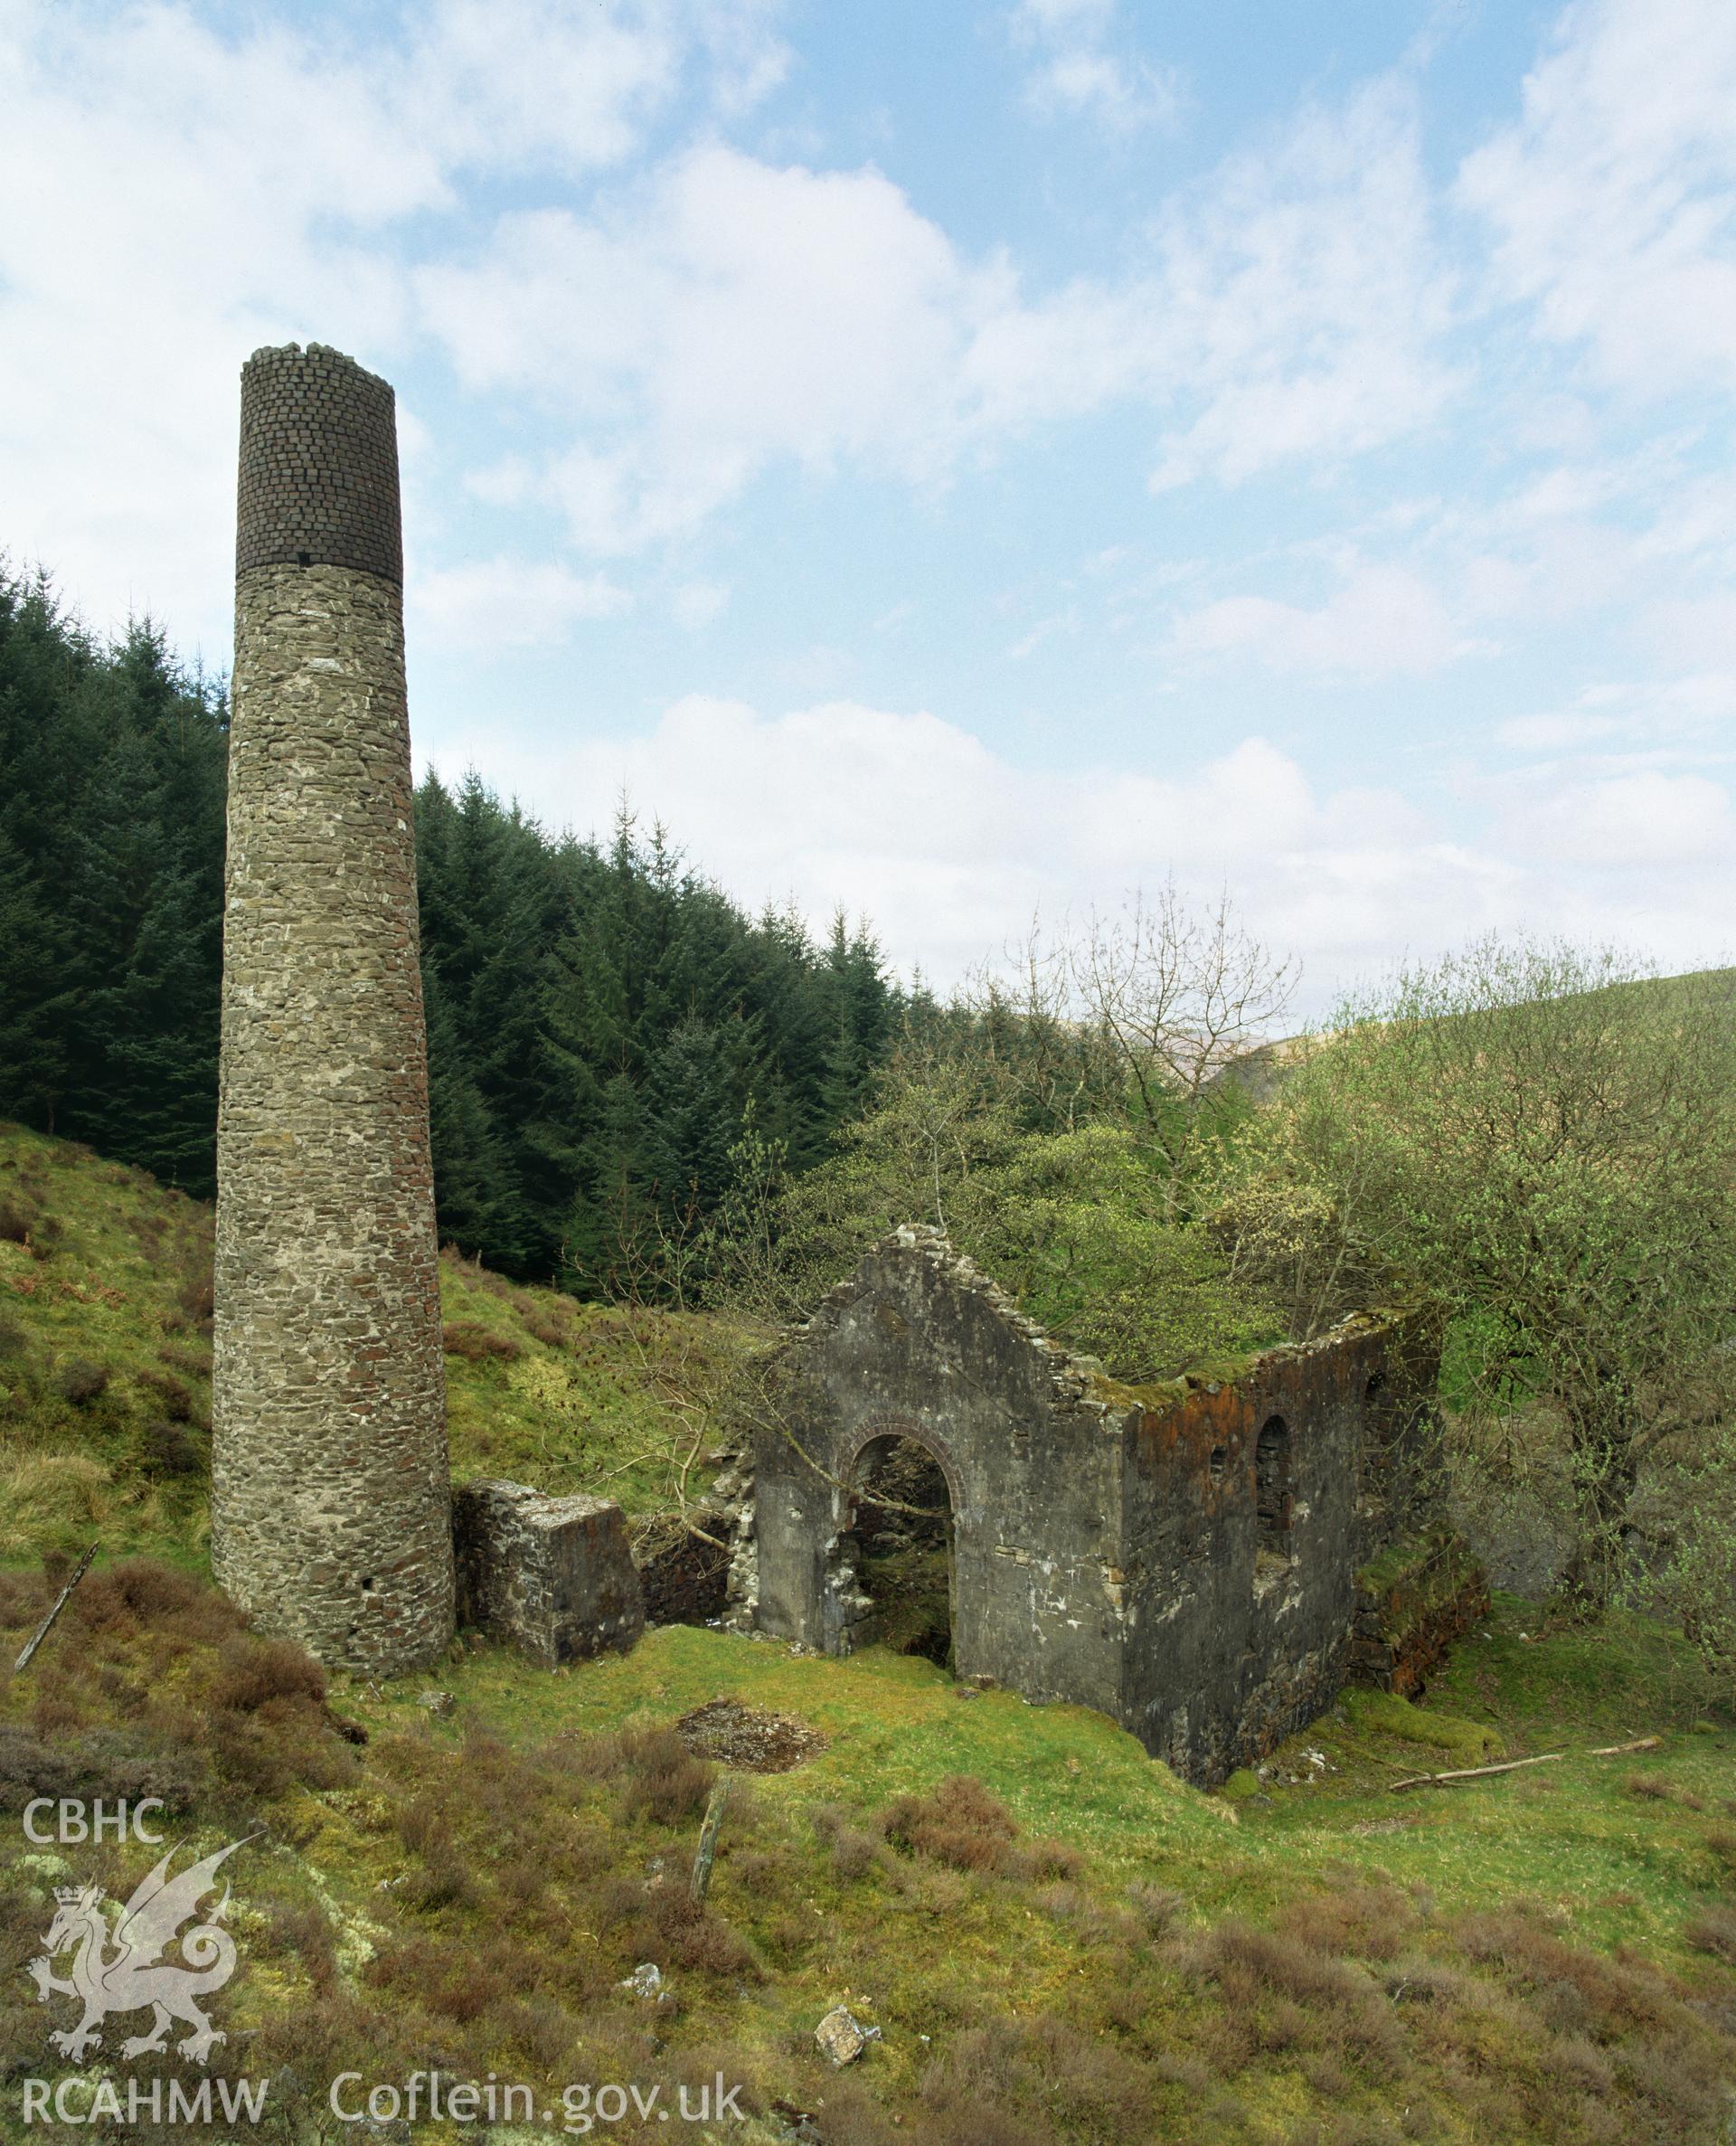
(872, 1429)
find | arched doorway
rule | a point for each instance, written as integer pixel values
(895, 1550)
(1274, 1495)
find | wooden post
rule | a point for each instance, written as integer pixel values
(700, 1884)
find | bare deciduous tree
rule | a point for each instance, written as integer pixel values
(1181, 992)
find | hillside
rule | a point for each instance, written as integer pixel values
(1056, 1940)
(105, 1368)
(1259, 1072)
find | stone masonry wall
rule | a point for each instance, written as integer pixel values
(1185, 1558)
(551, 1575)
(920, 1344)
(318, 482)
(330, 1486)
(1413, 1600)
(682, 1562)
(1243, 1628)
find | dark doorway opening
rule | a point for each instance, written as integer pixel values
(900, 1545)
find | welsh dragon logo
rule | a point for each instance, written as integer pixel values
(124, 1971)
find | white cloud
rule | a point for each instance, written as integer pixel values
(1542, 576)
(1695, 524)
(1426, 582)
(176, 194)
(1291, 307)
(947, 846)
(506, 603)
(725, 316)
(506, 83)
(695, 604)
(1693, 632)
(1383, 622)
(1625, 822)
(180, 190)
(510, 481)
(1030, 641)
(1062, 18)
(728, 316)
(1075, 72)
(1308, 295)
(1665, 720)
(1554, 734)
(1612, 200)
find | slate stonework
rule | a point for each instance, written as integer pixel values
(1183, 1558)
(920, 1344)
(551, 1575)
(1411, 1604)
(330, 1515)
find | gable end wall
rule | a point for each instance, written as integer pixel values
(918, 1344)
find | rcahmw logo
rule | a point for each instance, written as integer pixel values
(117, 1969)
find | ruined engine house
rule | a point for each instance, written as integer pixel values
(1206, 1561)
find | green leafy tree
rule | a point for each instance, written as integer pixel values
(1077, 1224)
(1543, 1140)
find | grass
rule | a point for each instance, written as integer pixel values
(896, 1724)
(1059, 1940)
(1384, 1713)
(1619, 1870)
(104, 1369)
(577, 1396)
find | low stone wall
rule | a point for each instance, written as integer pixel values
(552, 1575)
(1411, 1604)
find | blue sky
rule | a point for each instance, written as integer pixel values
(959, 461)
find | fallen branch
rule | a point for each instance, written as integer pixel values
(47, 1625)
(1543, 1758)
(1411, 1780)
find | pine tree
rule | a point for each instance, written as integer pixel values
(692, 1119)
(602, 1022)
(859, 1023)
(474, 1188)
(111, 862)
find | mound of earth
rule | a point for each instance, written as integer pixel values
(748, 1737)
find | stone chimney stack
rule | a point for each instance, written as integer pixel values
(331, 1496)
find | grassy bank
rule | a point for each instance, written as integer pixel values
(105, 1368)
(1057, 1939)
